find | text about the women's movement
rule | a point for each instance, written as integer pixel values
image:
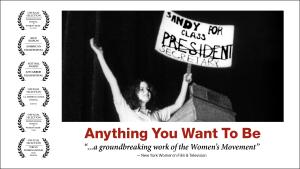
(141, 141)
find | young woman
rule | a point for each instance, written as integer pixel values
(138, 112)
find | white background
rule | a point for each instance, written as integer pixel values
(279, 140)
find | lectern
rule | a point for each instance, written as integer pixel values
(205, 105)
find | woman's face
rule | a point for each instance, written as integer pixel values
(143, 93)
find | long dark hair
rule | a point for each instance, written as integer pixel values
(133, 100)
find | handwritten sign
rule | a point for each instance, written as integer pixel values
(195, 42)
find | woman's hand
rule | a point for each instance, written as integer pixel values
(187, 77)
(96, 49)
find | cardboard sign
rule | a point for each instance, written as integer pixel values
(195, 42)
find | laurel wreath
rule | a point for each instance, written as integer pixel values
(20, 148)
(20, 122)
(47, 45)
(47, 97)
(47, 71)
(47, 20)
(20, 71)
(47, 148)
(20, 45)
(47, 122)
(20, 20)
(20, 97)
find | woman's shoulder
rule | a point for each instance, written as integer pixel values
(161, 115)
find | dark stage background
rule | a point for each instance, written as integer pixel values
(254, 83)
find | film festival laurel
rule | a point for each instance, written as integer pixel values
(33, 73)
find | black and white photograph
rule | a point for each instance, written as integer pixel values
(220, 66)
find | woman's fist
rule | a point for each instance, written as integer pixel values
(96, 49)
(187, 77)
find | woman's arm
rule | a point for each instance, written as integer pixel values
(117, 96)
(187, 78)
(167, 111)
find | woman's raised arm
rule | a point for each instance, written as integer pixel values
(166, 112)
(117, 96)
